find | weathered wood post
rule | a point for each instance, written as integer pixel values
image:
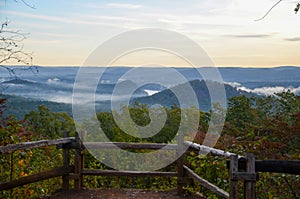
(250, 183)
(66, 163)
(78, 163)
(83, 150)
(180, 169)
(233, 194)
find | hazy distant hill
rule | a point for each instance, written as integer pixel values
(19, 106)
(278, 74)
(229, 74)
(167, 97)
(55, 84)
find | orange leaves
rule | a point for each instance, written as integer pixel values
(23, 174)
(21, 162)
(31, 192)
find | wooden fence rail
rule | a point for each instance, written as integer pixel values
(272, 166)
(126, 145)
(206, 183)
(57, 172)
(65, 170)
(34, 144)
(210, 150)
(98, 172)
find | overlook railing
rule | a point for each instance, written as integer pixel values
(240, 167)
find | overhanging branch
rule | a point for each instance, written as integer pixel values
(269, 11)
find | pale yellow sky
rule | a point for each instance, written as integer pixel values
(64, 33)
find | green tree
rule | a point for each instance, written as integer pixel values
(241, 112)
(49, 124)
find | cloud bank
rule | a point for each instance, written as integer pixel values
(267, 90)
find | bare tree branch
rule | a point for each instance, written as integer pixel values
(11, 50)
(25, 3)
(269, 11)
(297, 8)
(31, 6)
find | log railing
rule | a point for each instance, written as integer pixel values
(56, 172)
(240, 168)
(35, 144)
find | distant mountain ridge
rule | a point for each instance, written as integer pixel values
(167, 97)
(55, 84)
(231, 74)
(277, 74)
(19, 106)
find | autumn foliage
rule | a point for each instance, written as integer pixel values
(268, 127)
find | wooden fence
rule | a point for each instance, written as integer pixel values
(65, 170)
(240, 168)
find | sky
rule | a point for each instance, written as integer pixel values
(64, 33)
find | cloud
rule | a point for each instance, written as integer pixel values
(124, 5)
(53, 80)
(109, 18)
(39, 25)
(273, 90)
(267, 90)
(233, 84)
(263, 90)
(57, 35)
(61, 19)
(151, 92)
(43, 42)
(250, 36)
(293, 39)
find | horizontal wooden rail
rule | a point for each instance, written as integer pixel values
(278, 166)
(207, 149)
(57, 172)
(272, 166)
(205, 183)
(34, 144)
(244, 176)
(126, 145)
(127, 173)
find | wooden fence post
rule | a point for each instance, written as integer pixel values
(180, 169)
(66, 164)
(233, 181)
(250, 184)
(78, 163)
(82, 157)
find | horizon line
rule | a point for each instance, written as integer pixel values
(132, 66)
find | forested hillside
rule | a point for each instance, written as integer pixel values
(167, 98)
(267, 127)
(19, 106)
